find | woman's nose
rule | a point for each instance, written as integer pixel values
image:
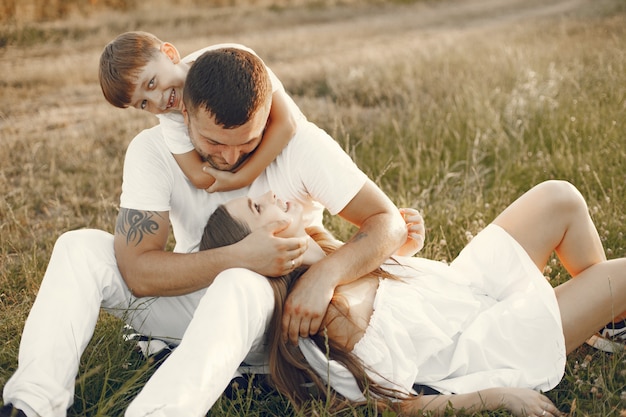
(269, 196)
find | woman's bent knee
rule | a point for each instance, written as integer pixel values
(562, 196)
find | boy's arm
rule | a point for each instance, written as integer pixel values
(192, 166)
(280, 129)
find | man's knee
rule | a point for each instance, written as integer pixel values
(245, 284)
(83, 239)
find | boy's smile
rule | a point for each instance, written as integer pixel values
(159, 87)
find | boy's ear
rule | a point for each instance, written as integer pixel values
(171, 52)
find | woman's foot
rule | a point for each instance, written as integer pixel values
(611, 338)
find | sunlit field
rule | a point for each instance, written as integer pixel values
(454, 108)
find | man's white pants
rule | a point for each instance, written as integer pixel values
(217, 328)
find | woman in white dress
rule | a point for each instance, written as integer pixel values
(484, 332)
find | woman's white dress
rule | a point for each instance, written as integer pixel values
(489, 319)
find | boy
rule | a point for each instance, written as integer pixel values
(139, 70)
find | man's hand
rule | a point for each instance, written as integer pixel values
(305, 307)
(381, 231)
(269, 255)
(416, 232)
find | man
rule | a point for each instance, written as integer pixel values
(217, 312)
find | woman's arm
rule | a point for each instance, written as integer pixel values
(521, 402)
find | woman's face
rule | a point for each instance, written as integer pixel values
(258, 212)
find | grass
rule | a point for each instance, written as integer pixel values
(456, 120)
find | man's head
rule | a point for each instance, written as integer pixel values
(227, 97)
(139, 70)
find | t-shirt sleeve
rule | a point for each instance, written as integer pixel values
(175, 133)
(315, 161)
(147, 180)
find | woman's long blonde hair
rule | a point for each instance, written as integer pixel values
(290, 373)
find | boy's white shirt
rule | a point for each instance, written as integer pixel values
(173, 124)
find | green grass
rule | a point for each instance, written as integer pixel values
(457, 125)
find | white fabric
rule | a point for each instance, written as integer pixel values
(219, 328)
(82, 276)
(228, 327)
(490, 319)
(305, 171)
(173, 124)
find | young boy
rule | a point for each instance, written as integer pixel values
(139, 70)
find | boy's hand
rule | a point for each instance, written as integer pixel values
(416, 232)
(224, 180)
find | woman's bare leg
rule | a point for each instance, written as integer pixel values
(553, 216)
(591, 300)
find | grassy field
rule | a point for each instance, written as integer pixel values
(454, 108)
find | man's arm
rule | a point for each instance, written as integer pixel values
(382, 231)
(149, 270)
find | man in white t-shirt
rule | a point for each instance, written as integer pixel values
(210, 303)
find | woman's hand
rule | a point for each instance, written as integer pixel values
(525, 402)
(521, 402)
(416, 232)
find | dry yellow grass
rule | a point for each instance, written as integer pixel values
(454, 107)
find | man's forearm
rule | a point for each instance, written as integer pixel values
(377, 239)
(162, 273)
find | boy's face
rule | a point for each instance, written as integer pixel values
(159, 87)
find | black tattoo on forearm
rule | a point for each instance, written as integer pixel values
(135, 224)
(358, 236)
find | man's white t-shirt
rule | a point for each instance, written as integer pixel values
(173, 124)
(312, 170)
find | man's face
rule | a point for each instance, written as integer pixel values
(225, 149)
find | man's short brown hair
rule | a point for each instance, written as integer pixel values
(230, 83)
(121, 62)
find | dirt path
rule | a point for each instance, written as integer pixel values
(49, 86)
(396, 29)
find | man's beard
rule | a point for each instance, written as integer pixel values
(231, 168)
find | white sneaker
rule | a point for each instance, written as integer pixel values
(611, 338)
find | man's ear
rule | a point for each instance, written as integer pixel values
(185, 114)
(171, 52)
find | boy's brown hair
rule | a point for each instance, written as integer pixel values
(121, 62)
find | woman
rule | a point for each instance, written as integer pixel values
(484, 332)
